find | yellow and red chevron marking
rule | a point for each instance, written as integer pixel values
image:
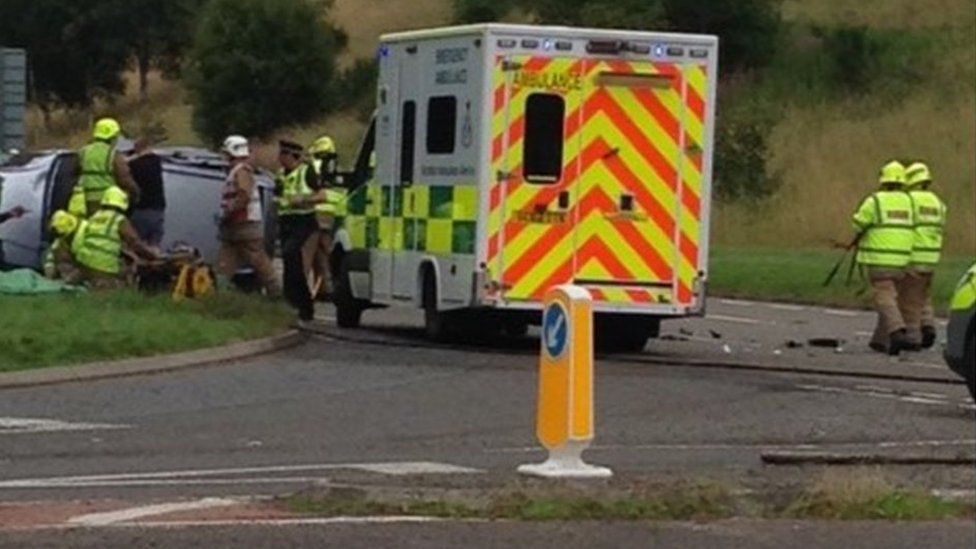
(657, 160)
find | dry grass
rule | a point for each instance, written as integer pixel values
(829, 160)
(888, 14)
(366, 20)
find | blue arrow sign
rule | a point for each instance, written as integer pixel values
(555, 330)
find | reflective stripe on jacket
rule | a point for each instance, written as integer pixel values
(294, 184)
(100, 244)
(930, 220)
(96, 165)
(886, 222)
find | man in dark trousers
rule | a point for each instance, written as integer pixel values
(297, 192)
(149, 211)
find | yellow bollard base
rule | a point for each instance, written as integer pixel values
(566, 462)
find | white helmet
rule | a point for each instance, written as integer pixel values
(236, 147)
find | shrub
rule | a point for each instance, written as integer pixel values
(742, 157)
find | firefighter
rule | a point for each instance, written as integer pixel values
(100, 248)
(885, 225)
(296, 190)
(59, 261)
(324, 160)
(915, 299)
(241, 232)
(100, 166)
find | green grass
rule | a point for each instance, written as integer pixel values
(65, 329)
(866, 494)
(846, 497)
(798, 276)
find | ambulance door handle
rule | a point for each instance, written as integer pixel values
(564, 200)
(626, 203)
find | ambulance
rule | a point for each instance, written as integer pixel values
(506, 159)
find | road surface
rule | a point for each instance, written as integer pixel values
(380, 405)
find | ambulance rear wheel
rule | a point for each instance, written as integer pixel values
(349, 311)
(624, 333)
(515, 328)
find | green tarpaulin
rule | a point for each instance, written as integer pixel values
(28, 282)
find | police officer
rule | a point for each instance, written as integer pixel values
(241, 233)
(324, 160)
(915, 299)
(100, 166)
(885, 224)
(297, 194)
(100, 249)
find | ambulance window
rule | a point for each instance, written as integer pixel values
(441, 124)
(543, 144)
(408, 137)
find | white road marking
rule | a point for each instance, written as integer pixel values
(736, 319)
(390, 468)
(785, 307)
(19, 426)
(842, 312)
(737, 302)
(942, 400)
(864, 334)
(929, 395)
(756, 446)
(133, 513)
(282, 522)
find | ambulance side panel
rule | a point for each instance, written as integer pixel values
(421, 212)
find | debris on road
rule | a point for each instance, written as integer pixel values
(827, 342)
(715, 335)
(793, 344)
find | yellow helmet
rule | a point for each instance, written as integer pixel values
(63, 223)
(322, 145)
(107, 128)
(892, 172)
(917, 173)
(115, 197)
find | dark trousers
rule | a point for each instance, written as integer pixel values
(294, 230)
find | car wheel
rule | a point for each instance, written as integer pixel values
(624, 334)
(515, 328)
(349, 310)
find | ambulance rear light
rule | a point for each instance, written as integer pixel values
(506, 43)
(530, 43)
(698, 53)
(564, 45)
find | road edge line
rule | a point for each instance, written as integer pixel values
(151, 365)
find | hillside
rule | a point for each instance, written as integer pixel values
(826, 148)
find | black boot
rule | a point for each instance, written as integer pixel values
(898, 342)
(928, 337)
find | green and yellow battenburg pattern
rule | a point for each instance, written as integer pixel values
(439, 220)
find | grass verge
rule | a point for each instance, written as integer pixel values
(57, 330)
(859, 494)
(684, 502)
(798, 276)
(870, 497)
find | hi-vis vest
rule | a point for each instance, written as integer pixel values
(930, 219)
(96, 164)
(293, 184)
(887, 224)
(72, 241)
(253, 211)
(101, 242)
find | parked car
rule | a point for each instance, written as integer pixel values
(962, 330)
(42, 182)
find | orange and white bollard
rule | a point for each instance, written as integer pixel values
(565, 415)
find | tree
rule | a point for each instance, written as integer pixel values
(156, 33)
(73, 54)
(748, 29)
(257, 65)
